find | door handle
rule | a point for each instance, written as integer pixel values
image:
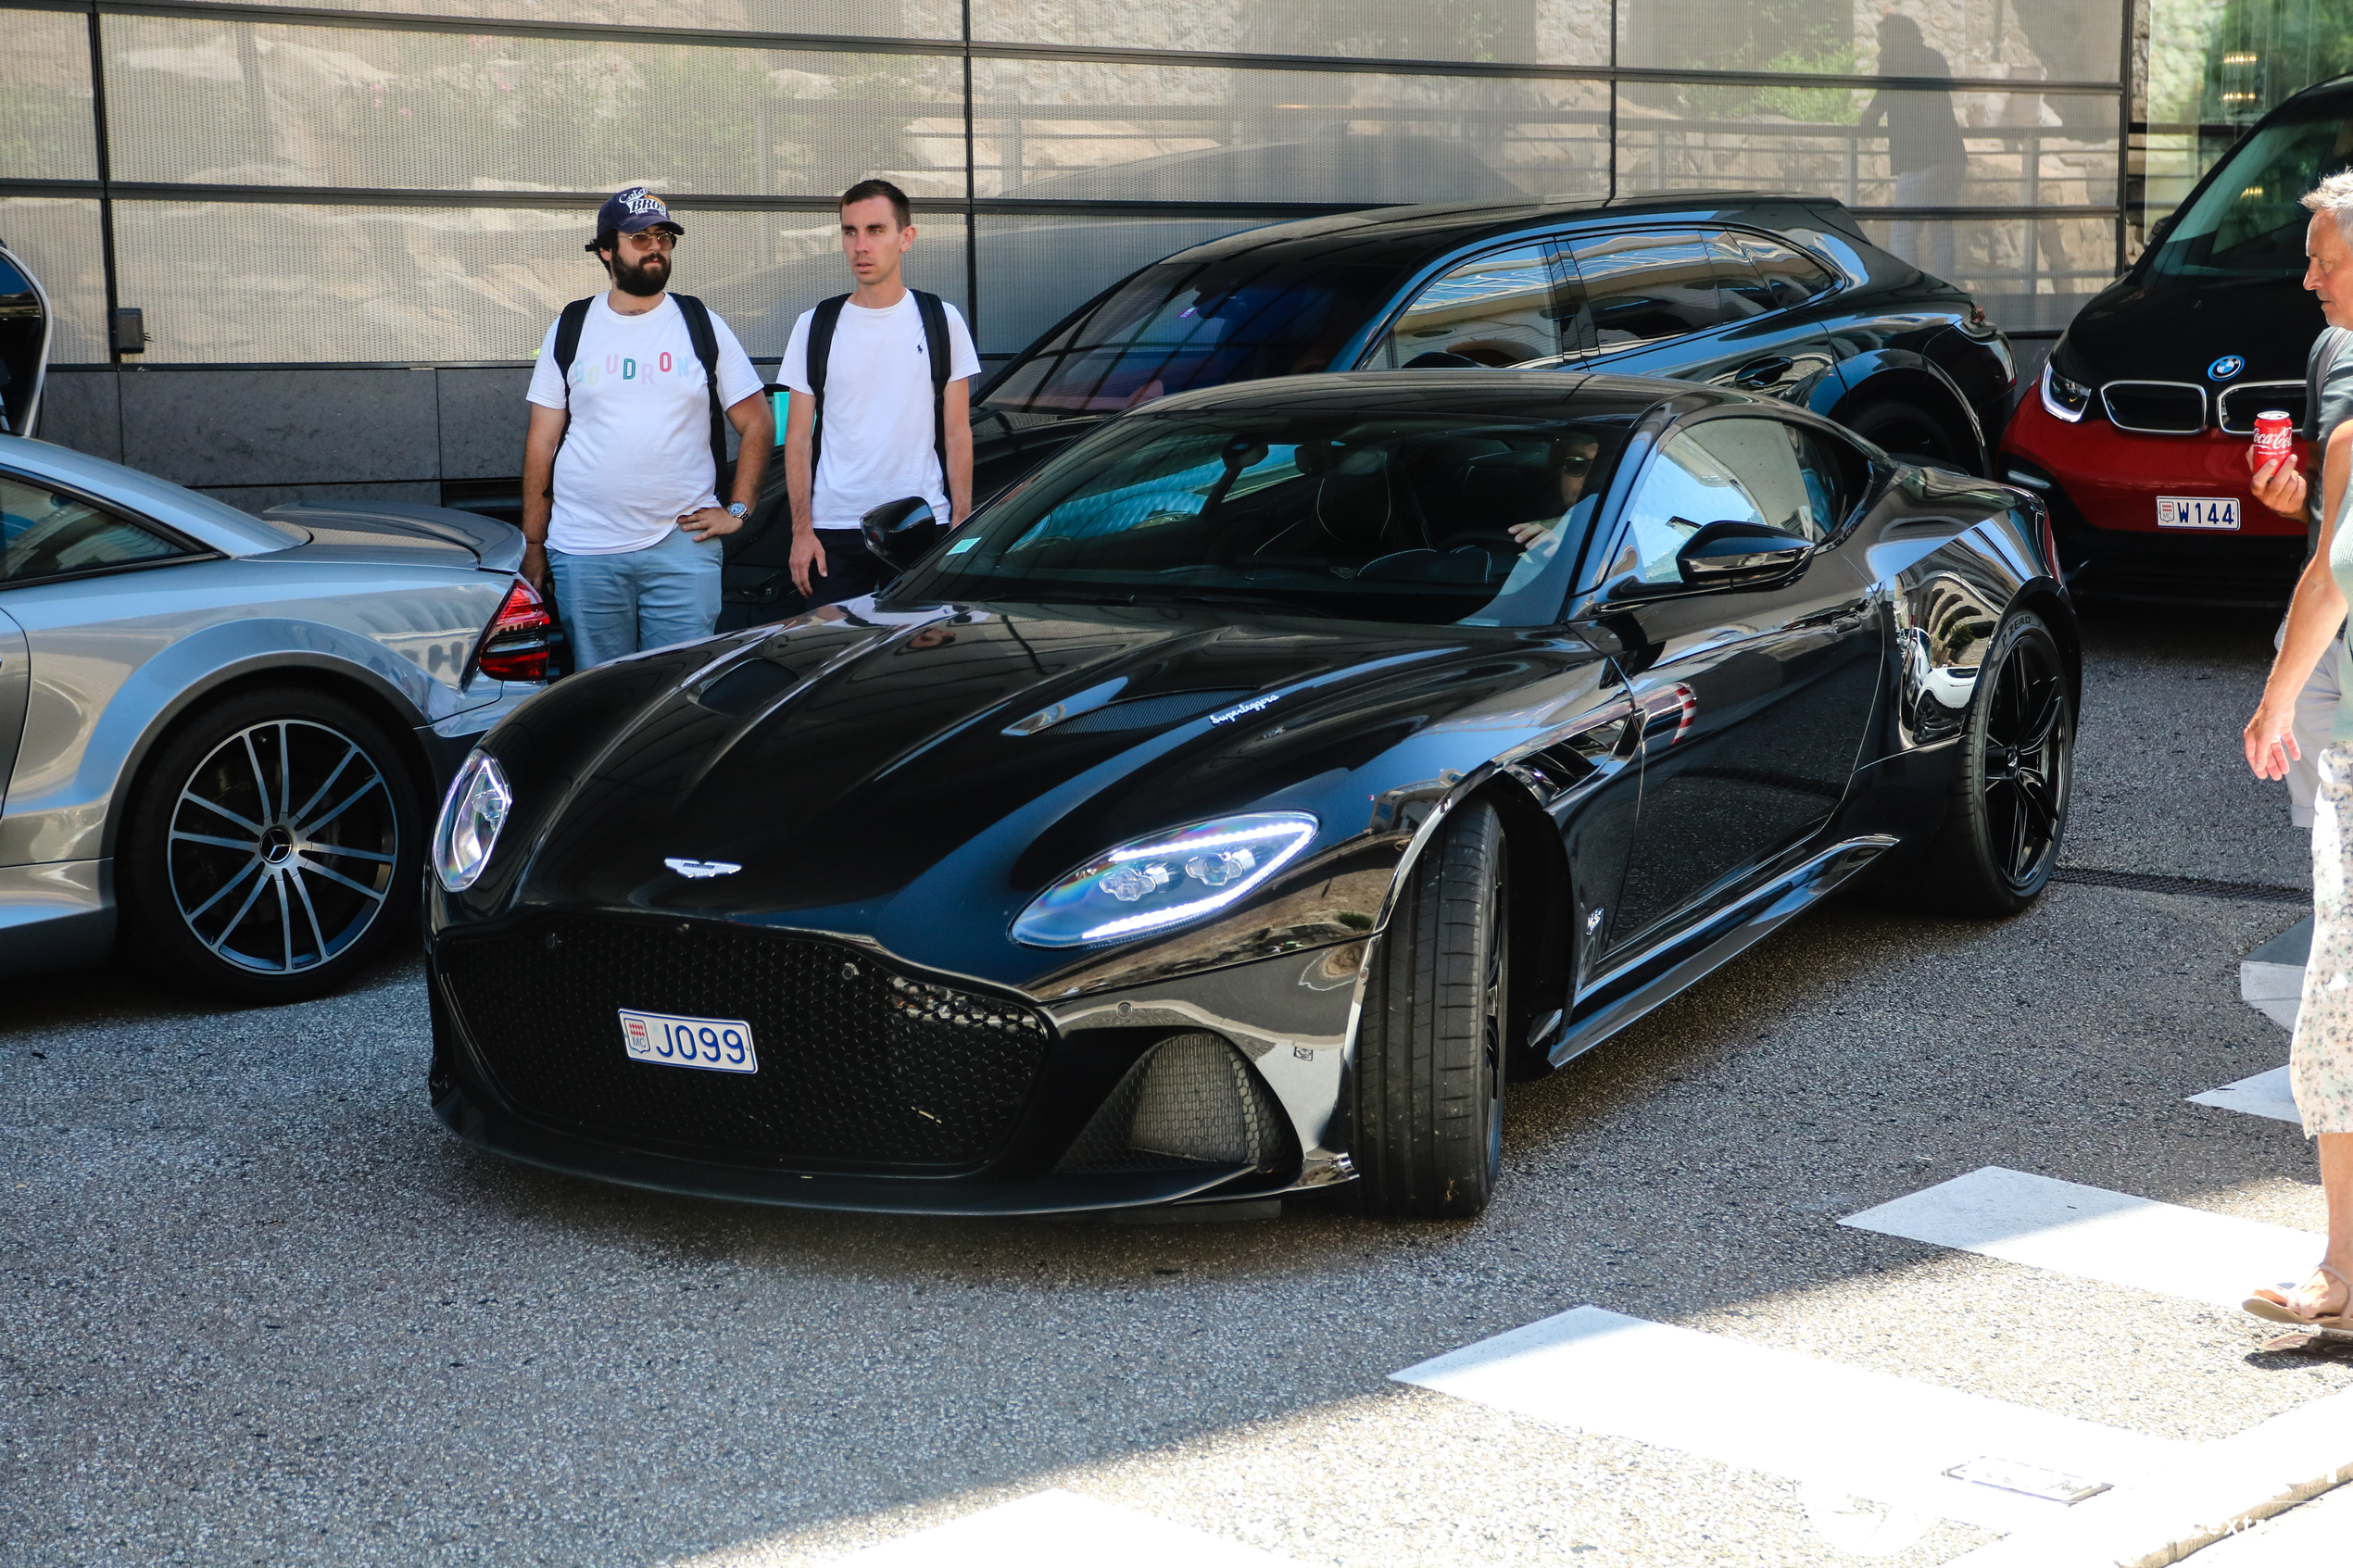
(1760, 372)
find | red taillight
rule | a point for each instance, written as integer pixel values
(515, 648)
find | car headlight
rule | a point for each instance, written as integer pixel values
(470, 819)
(2065, 399)
(1150, 884)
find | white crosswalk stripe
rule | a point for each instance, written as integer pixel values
(2090, 1233)
(2266, 1094)
(1060, 1529)
(1783, 1413)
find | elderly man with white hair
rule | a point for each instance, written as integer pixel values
(2321, 1062)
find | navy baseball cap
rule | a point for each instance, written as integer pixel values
(633, 211)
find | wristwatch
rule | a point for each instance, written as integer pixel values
(736, 509)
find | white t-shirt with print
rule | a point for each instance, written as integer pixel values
(876, 444)
(636, 454)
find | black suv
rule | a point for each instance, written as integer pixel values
(1776, 293)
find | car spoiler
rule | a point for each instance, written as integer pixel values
(498, 545)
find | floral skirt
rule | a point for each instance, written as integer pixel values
(2321, 1066)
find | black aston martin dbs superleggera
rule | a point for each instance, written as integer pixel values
(1235, 806)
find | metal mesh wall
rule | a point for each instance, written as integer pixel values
(60, 238)
(1993, 149)
(852, 18)
(231, 102)
(1988, 39)
(1507, 32)
(46, 132)
(232, 282)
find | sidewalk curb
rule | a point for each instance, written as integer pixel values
(2223, 1488)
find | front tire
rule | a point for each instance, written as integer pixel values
(2013, 768)
(269, 846)
(1433, 1038)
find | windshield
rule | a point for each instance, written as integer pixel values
(2248, 222)
(1182, 324)
(1433, 520)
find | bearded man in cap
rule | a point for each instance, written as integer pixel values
(630, 404)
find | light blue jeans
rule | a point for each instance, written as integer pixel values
(636, 599)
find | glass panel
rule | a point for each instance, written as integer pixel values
(1787, 277)
(421, 284)
(1514, 31)
(1885, 149)
(1762, 458)
(226, 103)
(1501, 309)
(1646, 288)
(2028, 274)
(2075, 42)
(855, 19)
(1685, 488)
(1184, 324)
(46, 127)
(1424, 517)
(2250, 222)
(44, 535)
(1035, 271)
(58, 237)
(1074, 130)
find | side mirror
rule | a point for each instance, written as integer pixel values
(902, 531)
(1732, 555)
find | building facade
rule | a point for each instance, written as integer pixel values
(346, 229)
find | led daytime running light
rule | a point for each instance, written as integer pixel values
(1167, 880)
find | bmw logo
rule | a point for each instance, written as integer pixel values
(2225, 368)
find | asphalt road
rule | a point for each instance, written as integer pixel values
(256, 1306)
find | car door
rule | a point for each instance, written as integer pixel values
(1692, 305)
(15, 681)
(1754, 699)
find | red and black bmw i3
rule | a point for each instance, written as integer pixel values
(2138, 438)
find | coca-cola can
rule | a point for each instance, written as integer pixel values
(2274, 432)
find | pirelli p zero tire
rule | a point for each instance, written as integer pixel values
(2012, 772)
(1431, 1040)
(269, 846)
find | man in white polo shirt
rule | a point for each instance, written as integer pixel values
(630, 403)
(884, 411)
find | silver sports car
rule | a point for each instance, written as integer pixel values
(221, 735)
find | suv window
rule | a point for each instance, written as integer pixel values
(1724, 470)
(1786, 275)
(1499, 309)
(46, 535)
(1637, 289)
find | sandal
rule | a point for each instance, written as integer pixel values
(2279, 1311)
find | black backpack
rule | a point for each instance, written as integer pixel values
(759, 558)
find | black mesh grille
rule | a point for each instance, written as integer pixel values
(860, 1065)
(1190, 1101)
(2239, 406)
(2157, 407)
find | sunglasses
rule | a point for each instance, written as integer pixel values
(661, 239)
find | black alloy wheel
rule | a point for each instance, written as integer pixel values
(1433, 1041)
(271, 845)
(2012, 772)
(1909, 435)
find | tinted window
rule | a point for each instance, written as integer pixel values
(1178, 325)
(1784, 276)
(1725, 471)
(1500, 309)
(2248, 222)
(45, 535)
(1637, 289)
(1417, 518)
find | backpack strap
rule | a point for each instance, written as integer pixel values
(706, 343)
(937, 349)
(822, 322)
(568, 326)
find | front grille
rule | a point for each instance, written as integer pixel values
(860, 1064)
(2236, 406)
(2154, 407)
